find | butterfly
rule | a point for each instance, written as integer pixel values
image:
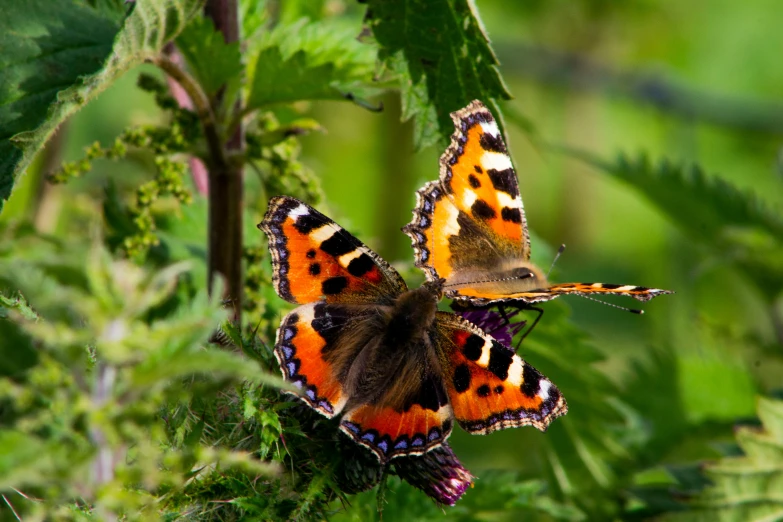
(364, 347)
(469, 226)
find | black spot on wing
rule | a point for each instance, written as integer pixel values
(610, 287)
(474, 182)
(338, 245)
(500, 359)
(498, 389)
(326, 323)
(307, 223)
(461, 378)
(505, 181)
(511, 214)
(310, 254)
(482, 210)
(531, 379)
(492, 143)
(483, 390)
(478, 169)
(360, 265)
(315, 269)
(473, 347)
(334, 285)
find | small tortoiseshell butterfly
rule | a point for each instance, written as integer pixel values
(363, 346)
(469, 226)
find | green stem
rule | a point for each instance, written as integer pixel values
(200, 102)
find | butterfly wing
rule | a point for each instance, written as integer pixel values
(315, 344)
(469, 226)
(473, 215)
(490, 387)
(314, 258)
(421, 424)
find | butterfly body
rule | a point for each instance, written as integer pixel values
(469, 226)
(364, 347)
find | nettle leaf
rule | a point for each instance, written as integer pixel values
(701, 203)
(443, 55)
(211, 60)
(747, 487)
(311, 61)
(57, 56)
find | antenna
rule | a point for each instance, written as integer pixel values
(557, 256)
(632, 310)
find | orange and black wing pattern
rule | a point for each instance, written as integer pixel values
(490, 387)
(305, 339)
(313, 258)
(469, 226)
(422, 424)
(473, 215)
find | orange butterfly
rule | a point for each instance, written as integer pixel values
(469, 226)
(364, 347)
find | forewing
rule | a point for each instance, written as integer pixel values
(313, 258)
(472, 217)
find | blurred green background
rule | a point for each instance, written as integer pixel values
(697, 81)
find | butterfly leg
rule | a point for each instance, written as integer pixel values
(538, 318)
(502, 311)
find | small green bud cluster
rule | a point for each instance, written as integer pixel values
(179, 136)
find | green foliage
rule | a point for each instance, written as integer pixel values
(87, 51)
(212, 61)
(126, 393)
(442, 55)
(46, 46)
(310, 61)
(746, 487)
(502, 496)
(105, 381)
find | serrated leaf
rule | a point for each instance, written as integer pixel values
(706, 206)
(749, 487)
(441, 51)
(57, 56)
(210, 59)
(737, 225)
(311, 61)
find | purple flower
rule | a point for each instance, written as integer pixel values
(494, 324)
(437, 473)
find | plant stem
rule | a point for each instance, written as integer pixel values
(198, 171)
(47, 204)
(201, 103)
(225, 182)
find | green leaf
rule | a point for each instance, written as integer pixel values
(20, 305)
(702, 204)
(443, 55)
(57, 56)
(748, 487)
(211, 60)
(311, 61)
